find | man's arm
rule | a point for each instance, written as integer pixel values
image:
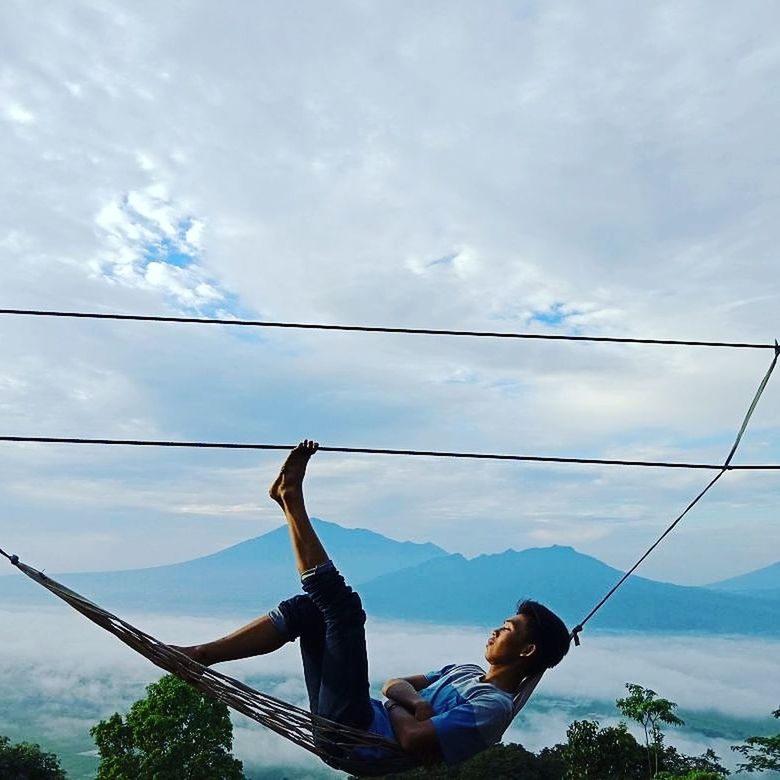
(404, 691)
(417, 737)
(416, 681)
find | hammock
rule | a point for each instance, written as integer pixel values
(338, 746)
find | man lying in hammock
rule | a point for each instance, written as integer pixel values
(449, 714)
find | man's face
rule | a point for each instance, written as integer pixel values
(509, 642)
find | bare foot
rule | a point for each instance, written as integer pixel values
(290, 479)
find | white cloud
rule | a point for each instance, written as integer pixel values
(15, 112)
(152, 244)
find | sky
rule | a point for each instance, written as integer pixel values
(546, 167)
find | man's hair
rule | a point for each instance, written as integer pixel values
(547, 631)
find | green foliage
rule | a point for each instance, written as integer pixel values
(174, 732)
(25, 761)
(762, 753)
(676, 764)
(511, 761)
(603, 754)
(645, 707)
(499, 762)
(695, 775)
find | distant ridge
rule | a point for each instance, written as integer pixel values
(762, 583)
(422, 582)
(482, 591)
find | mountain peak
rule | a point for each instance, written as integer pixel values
(767, 578)
(557, 548)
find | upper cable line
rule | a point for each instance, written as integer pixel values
(382, 329)
(223, 445)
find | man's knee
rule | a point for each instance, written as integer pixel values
(346, 612)
(295, 616)
(355, 607)
(337, 601)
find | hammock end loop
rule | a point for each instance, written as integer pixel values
(13, 559)
(575, 634)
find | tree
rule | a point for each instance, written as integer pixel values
(762, 753)
(644, 706)
(506, 761)
(173, 732)
(25, 761)
(499, 762)
(703, 767)
(603, 754)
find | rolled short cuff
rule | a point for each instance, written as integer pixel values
(279, 622)
(321, 568)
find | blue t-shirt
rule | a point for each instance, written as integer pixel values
(381, 757)
(469, 715)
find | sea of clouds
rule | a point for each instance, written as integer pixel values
(59, 674)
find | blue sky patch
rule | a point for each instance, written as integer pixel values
(230, 306)
(443, 260)
(169, 251)
(554, 315)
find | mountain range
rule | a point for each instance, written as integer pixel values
(423, 582)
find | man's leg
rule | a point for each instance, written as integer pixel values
(256, 638)
(261, 636)
(287, 491)
(329, 621)
(344, 689)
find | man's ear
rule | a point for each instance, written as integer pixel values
(528, 651)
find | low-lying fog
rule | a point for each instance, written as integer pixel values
(59, 674)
